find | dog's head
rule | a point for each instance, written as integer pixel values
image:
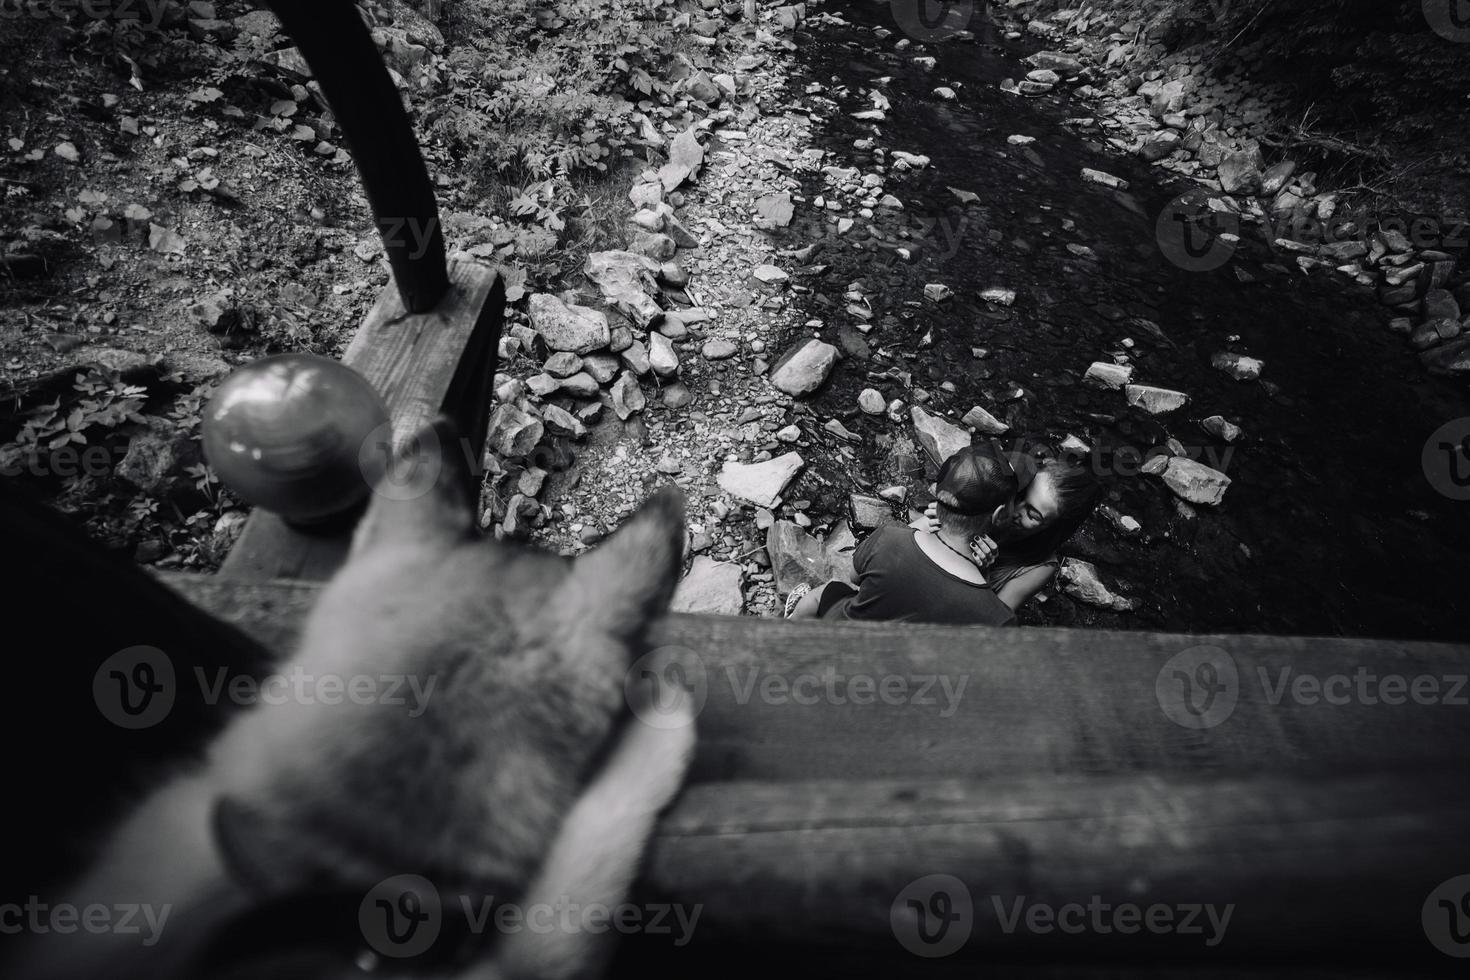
(487, 678)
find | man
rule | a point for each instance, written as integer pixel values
(919, 576)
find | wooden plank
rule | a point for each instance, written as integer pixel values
(1321, 869)
(1325, 829)
(422, 364)
(780, 697)
(640, 956)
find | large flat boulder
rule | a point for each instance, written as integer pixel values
(940, 439)
(1155, 401)
(1080, 581)
(627, 281)
(796, 557)
(710, 587)
(1195, 482)
(760, 483)
(1451, 360)
(801, 370)
(568, 327)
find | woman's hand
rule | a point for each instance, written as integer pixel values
(931, 514)
(983, 549)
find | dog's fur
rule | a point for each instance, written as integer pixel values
(526, 777)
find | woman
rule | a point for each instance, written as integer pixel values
(1053, 501)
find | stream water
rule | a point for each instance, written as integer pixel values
(1331, 525)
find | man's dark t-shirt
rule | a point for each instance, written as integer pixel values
(898, 582)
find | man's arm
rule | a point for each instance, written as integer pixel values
(865, 551)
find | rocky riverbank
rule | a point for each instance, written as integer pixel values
(984, 263)
(659, 367)
(1171, 107)
(713, 382)
(841, 246)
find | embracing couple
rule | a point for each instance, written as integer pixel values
(986, 545)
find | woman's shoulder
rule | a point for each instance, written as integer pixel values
(1002, 571)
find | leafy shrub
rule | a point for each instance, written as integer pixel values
(104, 403)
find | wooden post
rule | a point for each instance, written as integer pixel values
(345, 62)
(422, 364)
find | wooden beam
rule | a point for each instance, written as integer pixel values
(783, 700)
(1329, 868)
(422, 364)
(1053, 778)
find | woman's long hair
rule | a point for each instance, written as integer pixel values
(1078, 494)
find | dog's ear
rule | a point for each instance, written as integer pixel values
(255, 853)
(628, 579)
(270, 856)
(426, 493)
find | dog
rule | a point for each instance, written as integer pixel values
(526, 776)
